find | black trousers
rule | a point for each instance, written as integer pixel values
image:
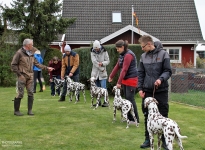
(129, 94)
(163, 106)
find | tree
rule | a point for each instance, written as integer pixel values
(41, 20)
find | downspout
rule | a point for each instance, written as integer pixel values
(61, 43)
(195, 53)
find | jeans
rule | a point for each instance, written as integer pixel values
(101, 83)
(52, 84)
(75, 79)
(37, 75)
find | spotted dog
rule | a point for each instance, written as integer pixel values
(58, 84)
(75, 88)
(124, 105)
(97, 92)
(157, 124)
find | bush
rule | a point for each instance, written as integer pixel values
(86, 64)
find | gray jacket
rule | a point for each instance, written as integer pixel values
(154, 65)
(97, 57)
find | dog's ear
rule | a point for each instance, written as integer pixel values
(155, 101)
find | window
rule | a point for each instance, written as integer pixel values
(116, 17)
(174, 54)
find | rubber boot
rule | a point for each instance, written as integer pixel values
(30, 105)
(17, 102)
(62, 99)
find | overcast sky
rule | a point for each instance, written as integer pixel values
(200, 5)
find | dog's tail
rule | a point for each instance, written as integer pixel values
(178, 134)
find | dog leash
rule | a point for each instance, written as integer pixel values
(155, 87)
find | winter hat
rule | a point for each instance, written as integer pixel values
(37, 52)
(96, 44)
(67, 48)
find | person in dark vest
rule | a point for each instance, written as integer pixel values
(70, 67)
(127, 64)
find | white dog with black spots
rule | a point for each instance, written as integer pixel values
(157, 124)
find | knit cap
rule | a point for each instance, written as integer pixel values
(67, 48)
(96, 44)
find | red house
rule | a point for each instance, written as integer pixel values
(174, 22)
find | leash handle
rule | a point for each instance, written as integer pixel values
(155, 87)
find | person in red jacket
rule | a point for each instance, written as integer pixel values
(56, 64)
(127, 64)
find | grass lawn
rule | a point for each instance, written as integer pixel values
(68, 126)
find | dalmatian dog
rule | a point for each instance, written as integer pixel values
(124, 105)
(157, 124)
(97, 92)
(58, 84)
(75, 88)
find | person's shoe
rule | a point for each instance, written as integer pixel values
(105, 104)
(62, 99)
(41, 90)
(98, 104)
(18, 113)
(146, 144)
(164, 146)
(30, 113)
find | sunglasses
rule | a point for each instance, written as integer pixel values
(144, 46)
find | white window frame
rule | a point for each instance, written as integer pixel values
(116, 17)
(180, 54)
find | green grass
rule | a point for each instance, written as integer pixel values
(192, 97)
(68, 126)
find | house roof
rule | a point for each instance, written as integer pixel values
(166, 20)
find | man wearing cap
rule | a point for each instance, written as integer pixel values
(70, 67)
(100, 60)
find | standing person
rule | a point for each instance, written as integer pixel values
(37, 71)
(56, 64)
(153, 72)
(70, 67)
(100, 60)
(22, 66)
(127, 64)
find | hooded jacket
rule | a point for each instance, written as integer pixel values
(22, 64)
(154, 65)
(39, 59)
(96, 57)
(72, 66)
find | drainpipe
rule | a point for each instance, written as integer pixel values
(195, 53)
(61, 43)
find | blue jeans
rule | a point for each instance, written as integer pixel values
(52, 84)
(101, 83)
(75, 79)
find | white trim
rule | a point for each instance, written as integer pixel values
(180, 53)
(123, 30)
(181, 42)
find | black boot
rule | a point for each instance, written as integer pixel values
(164, 143)
(98, 104)
(146, 144)
(105, 104)
(30, 105)
(17, 102)
(62, 99)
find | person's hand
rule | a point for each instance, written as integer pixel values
(142, 94)
(62, 78)
(70, 74)
(118, 86)
(50, 68)
(109, 80)
(100, 64)
(51, 80)
(157, 82)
